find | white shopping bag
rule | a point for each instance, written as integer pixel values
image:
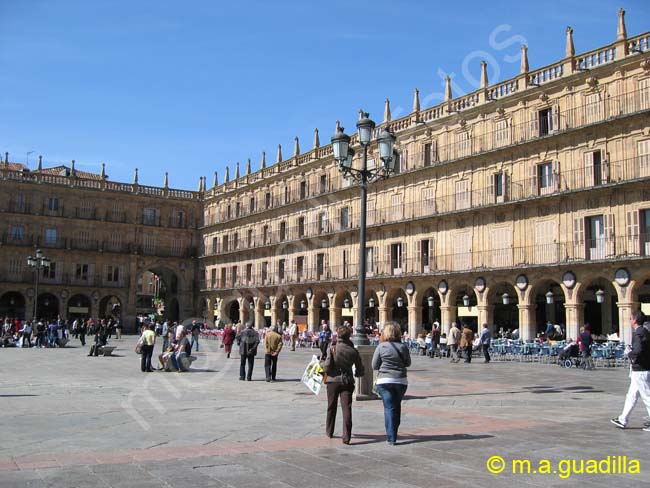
(312, 378)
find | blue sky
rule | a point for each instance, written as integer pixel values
(193, 86)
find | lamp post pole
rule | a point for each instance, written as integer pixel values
(37, 263)
(344, 155)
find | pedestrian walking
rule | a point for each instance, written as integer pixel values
(293, 334)
(148, 339)
(82, 328)
(27, 334)
(227, 339)
(248, 340)
(340, 381)
(324, 339)
(486, 340)
(118, 329)
(196, 332)
(272, 347)
(453, 341)
(467, 342)
(391, 358)
(639, 356)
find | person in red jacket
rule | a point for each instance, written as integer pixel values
(227, 339)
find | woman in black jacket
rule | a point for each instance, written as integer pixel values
(340, 381)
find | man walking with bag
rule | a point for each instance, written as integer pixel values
(248, 340)
(639, 356)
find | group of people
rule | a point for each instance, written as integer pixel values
(178, 342)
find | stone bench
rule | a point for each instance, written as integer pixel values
(106, 350)
(185, 363)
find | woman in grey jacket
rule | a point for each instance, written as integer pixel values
(391, 358)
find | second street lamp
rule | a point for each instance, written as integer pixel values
(344, 154)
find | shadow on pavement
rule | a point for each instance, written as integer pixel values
(415, 439)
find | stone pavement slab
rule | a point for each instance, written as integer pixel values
(72, 420)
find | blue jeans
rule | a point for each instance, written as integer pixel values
(195, 340)
(392, 394)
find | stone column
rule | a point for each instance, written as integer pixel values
(485, 316)
(312, 318)
(527, 326)
(415, 320)
(292, 314)
(384, 315)
(259, 317)
(575, 318)
(335, 316)
(447, 316)
(625, 310)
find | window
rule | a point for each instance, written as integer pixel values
(148, 244)
(545, 178)
(237, 209)
(645, 236)
(228, 212)
(267, 199)
(233, 276)
(112, 274)
(224, 244)
(643, 150)
(370, 261)
(428, 159)
(177, 247)
(265, 235)
(320, 266)
(281, 270)
(265, 271)
(178, 219)
(53, 204)
(498, 185)
(396, 258)
(303, 190)
(345, 217)
(545, 122)
(81, 272)
(593, 168)
(345, 261)
(463, 143)
(16, 232)
(49, 273)
(150, 216)
(644, 94)
(86, 209)
(15, 266)
(235, 240)
(19, 203)
(116, 213)
(249, 273)
(323, 183)
(501, 134)
(301, 227)
(462, 194)
(286, 194)
(251, 205)
(50, 236)
(249, 238)
(83, 238)
(213, 278)
(322, 223)
(396, 207)
(424, 255)
(283, 231)
(596, 237)
(215, 245)
(300, 267)
(115, 241)
(592, 108)
(222, 281)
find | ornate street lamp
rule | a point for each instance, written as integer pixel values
(400, 302)
(600, 296)
(549, 297)
(505, 298)
(431, 301)
(346, 303)
(344, 154)
(303, 304)
(37, 263)
(466, 300)
(371, 302)
(323, 303)
(285, 305)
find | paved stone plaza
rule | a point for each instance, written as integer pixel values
(69, 420)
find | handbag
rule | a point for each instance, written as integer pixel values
(138, 346)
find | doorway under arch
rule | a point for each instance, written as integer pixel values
(47, 306)
(12, 305)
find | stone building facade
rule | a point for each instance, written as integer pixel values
(520, 203)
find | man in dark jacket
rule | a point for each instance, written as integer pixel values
(248, 340)
(639, 356)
